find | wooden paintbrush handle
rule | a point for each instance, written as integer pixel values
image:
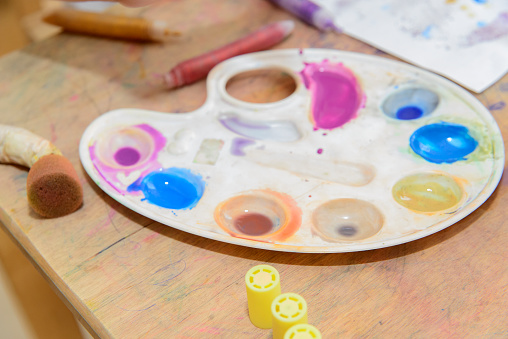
(109, 25)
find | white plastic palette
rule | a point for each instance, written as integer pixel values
(419, 154)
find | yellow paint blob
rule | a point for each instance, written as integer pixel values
(428, 192)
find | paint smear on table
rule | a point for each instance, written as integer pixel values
(336, 95)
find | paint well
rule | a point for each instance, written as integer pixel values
(130, 147)
(280, 130)
(346, 220)
(127, 156)
(175, 188)
(443, 142)
(410, 103)
(336, 95)
(253, 224)
(409, 113)
(262, 215)
(428, 192)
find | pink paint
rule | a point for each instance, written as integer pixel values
(74, 97)
(320, 151)
(53, 133)
(336, 95)
(204, 258)
(150, 237)
(102, 225)
(147, 141)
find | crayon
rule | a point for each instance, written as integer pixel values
(108, 25)
(198, 67)
(310, 13)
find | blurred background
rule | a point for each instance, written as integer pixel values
(29, 308)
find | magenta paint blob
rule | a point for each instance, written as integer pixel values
(319, 151)
(127, 156)
(336, 95)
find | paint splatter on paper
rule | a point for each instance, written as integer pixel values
(459, 39)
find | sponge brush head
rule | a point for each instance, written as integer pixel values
(53, 187)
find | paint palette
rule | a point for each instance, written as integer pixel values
(366, 153)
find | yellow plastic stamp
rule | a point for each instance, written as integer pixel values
(263, 286)
(302, 331)
(288, 309)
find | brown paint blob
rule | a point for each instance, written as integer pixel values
(253, 224)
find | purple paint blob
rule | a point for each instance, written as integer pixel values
(497, 106)
(504, 87)
(279, 130)
(239, 144)
(127, 156)
(494, 30)
(336, 95)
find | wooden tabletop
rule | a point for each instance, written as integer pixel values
(127, 276)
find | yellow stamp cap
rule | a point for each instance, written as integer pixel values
(302, 331)
(263, 285)
(288, 309)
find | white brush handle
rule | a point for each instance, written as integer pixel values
(22, 147)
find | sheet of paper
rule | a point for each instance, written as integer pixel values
(463, 40)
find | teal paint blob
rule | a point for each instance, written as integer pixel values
(175, 188)
(442, 142)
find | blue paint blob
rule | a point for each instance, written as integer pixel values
(409, 113)
(175, 188)
(426, 32)
(410, 103)
(443, 142)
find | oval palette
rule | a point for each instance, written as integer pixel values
(366, 153)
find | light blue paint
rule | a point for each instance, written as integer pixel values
(481, 24)
(426, 32)
(442, 142)
(175, 188)
(480, 1)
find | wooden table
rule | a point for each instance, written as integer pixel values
(126, 276)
